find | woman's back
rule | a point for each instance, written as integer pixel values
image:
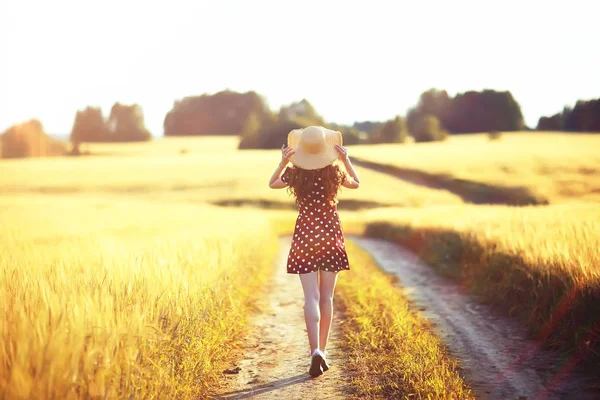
(314, 188)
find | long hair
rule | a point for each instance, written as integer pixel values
(302, 181)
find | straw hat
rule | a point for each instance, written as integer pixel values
(315, 147)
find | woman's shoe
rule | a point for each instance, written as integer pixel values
(316, 360)
(324, 364)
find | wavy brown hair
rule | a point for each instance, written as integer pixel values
(301, 182)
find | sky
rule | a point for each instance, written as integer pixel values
(353, 60)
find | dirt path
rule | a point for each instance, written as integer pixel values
(498, 361)
(276, 355)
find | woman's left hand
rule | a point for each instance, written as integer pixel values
(342, 151)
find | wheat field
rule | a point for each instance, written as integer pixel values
(212, 172)
(121, 277)
(539, 264)
(105, 296)
(562, 167)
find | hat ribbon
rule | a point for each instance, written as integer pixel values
(312, 148)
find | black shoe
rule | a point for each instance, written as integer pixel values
(316, 361)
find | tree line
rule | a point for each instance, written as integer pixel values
(435, 116)
(584, 117)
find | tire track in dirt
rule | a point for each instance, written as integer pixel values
(276, 355)
(470, 191)
(497, 358)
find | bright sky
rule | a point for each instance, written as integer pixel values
(353, 60)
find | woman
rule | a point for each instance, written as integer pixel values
(317, 252)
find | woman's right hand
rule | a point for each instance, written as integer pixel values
(286, 154)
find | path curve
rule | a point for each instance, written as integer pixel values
(498, 360)
(275, 358)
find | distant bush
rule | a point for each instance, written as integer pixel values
(28, 139)
(428, 129)
(494, 135)
(392, 131)
(351, 134)
(368, 126)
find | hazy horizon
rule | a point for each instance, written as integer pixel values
(353, 62)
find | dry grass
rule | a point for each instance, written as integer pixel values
(541, 264)
(392, 352)
(558, 167)
(216, 174)
(168, 146)
(105, 297)
(118, 279)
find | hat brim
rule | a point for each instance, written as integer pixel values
(318, 160)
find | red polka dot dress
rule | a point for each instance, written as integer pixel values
(318, 241)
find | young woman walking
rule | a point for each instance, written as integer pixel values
(317, 252)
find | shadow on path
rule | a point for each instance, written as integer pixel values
(265, 388)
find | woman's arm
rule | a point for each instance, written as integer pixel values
(353, 182)
(275, 182)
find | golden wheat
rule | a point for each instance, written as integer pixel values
(541, 264)
(559, 167)
(392, 352)
(216, 174)
(107, 297)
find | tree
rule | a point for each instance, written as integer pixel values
(431, 102)
(428, 129)
(351, 134)
(126, 124)
(392, 131)
(484, 111)
(89, 126)
(29, 139)
(584, 117)
(302, 112)
(250, 136)
(552, 123)
(368, 126)
(468, 112)
(223, 113)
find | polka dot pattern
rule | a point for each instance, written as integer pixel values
(318, 241)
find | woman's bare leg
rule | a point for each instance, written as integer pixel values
(310, 286)
(326, 289)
